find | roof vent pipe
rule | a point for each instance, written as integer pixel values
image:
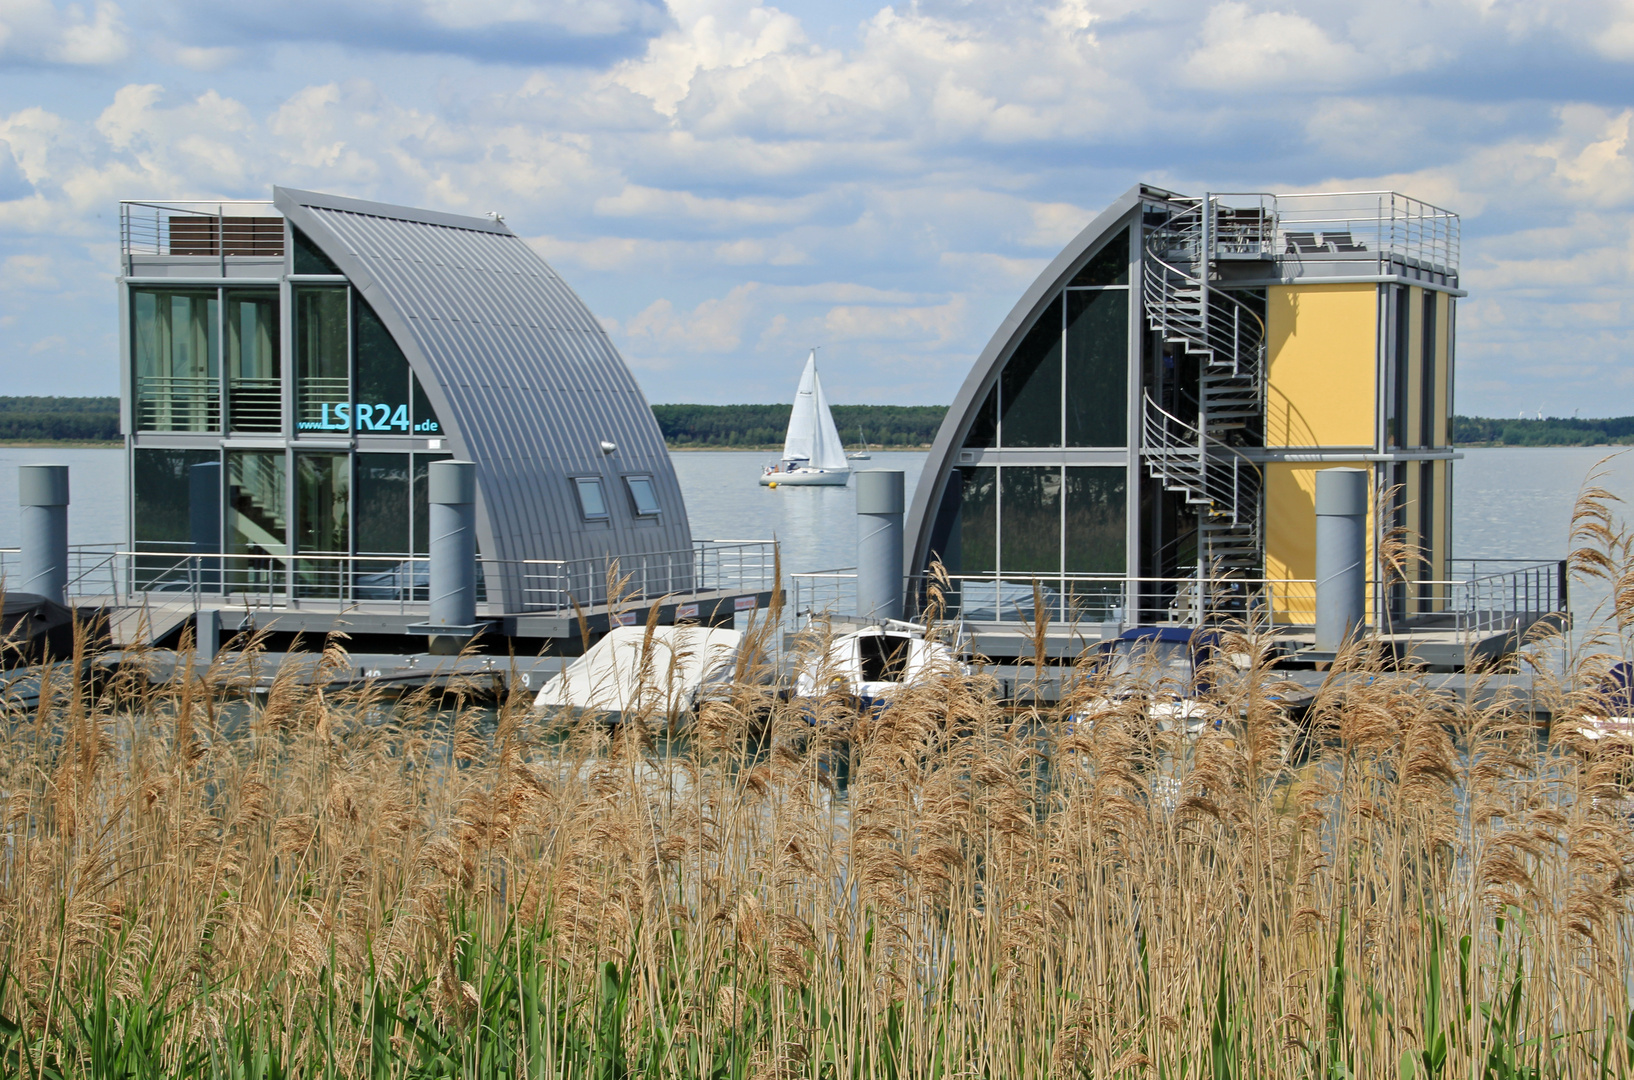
(452, 491)
(42, 495)
(1341, 556)
(879, 544)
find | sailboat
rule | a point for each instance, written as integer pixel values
(863, 454)
(812, 451)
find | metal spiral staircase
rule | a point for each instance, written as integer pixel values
(1196, 460)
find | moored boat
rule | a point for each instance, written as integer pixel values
(813, 455)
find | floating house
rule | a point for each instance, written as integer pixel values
(290, 371)
(1140, 437)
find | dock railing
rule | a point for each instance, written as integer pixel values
(109, 574)
(1487, 596)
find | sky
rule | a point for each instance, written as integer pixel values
(728, 183)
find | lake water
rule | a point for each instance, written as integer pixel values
(1507, 503)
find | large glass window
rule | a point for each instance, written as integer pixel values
(254, 395)
(1109, 266)
(322, 521)
(1097, 367)
(1395, 424)
(422, 500)
(1096, 520)
(322, 389)
(176, 352)
(1030, 390)
(1094, 540)
(1030, 519)
(383, 500)
(322, 504)
(1427, 402)
(308, 259)
(984, 430)
(176, 512)
(425, 417)
(255, 519)
(382, 375)
(978, 521)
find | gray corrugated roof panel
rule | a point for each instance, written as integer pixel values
(522, 375)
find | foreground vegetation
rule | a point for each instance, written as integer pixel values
(314, 884)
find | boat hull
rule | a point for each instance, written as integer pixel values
(807, 478)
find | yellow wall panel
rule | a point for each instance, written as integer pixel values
(1290, 537)
(1322, 364)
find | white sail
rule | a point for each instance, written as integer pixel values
(828, 452)
(799, 443)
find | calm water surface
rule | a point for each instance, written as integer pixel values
(1507, 503)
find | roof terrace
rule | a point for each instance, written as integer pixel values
(1343, 232)
(213, 228)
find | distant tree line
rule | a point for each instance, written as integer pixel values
(59, 419)
(96, 419)
(1550, 431)
(765, 425)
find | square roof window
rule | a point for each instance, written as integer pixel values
(643, 495)
(592, 502)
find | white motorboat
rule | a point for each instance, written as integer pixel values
(875, 663)
(813, 455)
(625, 674)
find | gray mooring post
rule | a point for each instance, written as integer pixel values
(42, 495)
(879, 543)
(1341, 556)
(452, 493)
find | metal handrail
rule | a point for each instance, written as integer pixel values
(1510, 601)
(1369, 225)
(1179, 451)
(268, 579)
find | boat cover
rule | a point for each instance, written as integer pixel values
(622, 674)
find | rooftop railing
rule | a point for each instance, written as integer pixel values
(201, 227)
(1361, 226)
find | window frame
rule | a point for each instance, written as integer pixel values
(635, 500)
(579, 485)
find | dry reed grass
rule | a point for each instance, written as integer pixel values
(319, 882)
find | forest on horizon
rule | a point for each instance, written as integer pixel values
(747, 427)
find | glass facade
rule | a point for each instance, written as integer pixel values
(1067, 382)
(254, 388)
(1030, 388)
(1030, 519)
(323, 392)
(422, 500)
(176, 347)
(176, 511)
(255, 520)
(383, 500)
(1065, 387)
(1096, 391)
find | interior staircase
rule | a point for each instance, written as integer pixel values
(1196, 460)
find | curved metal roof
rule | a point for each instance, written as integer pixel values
(927, 495)
(524, 379)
